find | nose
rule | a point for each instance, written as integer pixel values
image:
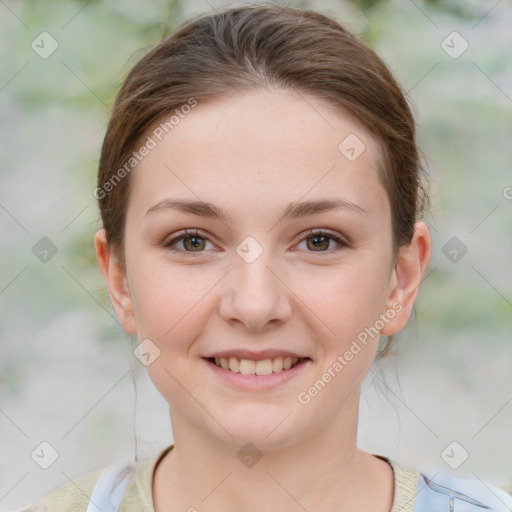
(256, 295)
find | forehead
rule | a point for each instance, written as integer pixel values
(260, 150)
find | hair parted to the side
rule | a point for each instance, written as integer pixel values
(265, 47)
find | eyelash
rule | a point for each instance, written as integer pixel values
(190, 233)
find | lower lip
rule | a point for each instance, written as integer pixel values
(255, 382)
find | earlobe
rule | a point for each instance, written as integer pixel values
(115, 279)
(406, 278)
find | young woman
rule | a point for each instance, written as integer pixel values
(260, 192)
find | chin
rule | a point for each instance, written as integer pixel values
(266, 433)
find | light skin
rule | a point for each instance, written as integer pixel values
(251, 155)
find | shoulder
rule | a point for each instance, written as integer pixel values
(443, 491)
(436, 491)
(70, 496)
(126, 483)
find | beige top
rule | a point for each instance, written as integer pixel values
(74, 496)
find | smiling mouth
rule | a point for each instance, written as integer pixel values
(261, 367)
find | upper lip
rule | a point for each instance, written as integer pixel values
(257, 356)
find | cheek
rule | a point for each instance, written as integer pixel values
(346, 299)
(168, 302)
(346, 306)
(171, 310)
(172, 302)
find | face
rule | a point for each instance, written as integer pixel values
(257, 276)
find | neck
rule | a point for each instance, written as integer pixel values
(321, 472)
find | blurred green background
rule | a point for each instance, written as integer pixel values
(67, 373)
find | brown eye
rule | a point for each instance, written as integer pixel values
(320, 241)
(193, 241)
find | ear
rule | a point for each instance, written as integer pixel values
(117, 284)
(406, 277)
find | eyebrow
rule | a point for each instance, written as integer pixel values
(292, 211)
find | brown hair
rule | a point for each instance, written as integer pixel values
(263, 46)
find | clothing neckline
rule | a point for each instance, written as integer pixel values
(405, 482)
(405, 487)
(144, 477)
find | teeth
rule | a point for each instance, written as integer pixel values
(234, 364)
(247, 367)
(263, 367)
(250, 367)
(277, 364)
